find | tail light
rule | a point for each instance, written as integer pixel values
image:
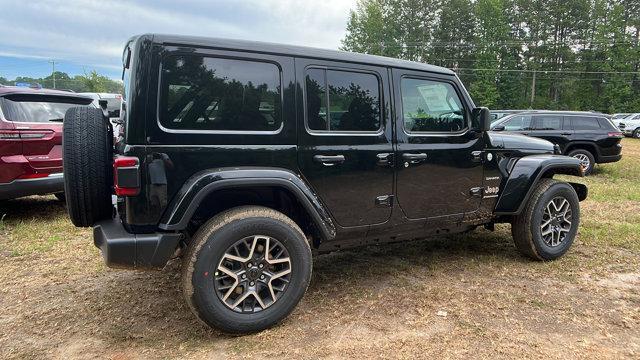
(615, 134)
(126, 176)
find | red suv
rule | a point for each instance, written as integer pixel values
(31, 140)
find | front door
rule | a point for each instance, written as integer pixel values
(553, 128)
(439, 166)
(345, 139)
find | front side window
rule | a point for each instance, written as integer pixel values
(216, 94)
(547, 122)
(339, 101)
(518, 123)
(431, 106)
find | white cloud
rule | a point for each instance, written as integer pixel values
(92, 32)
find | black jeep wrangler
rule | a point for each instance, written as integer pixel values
(246, 158)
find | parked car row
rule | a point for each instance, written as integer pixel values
(629, 125)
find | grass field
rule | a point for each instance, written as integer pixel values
(468, 296)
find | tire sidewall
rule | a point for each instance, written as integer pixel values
(209, 306)
(556, 190)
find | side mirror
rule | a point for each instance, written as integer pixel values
(481, 118)
(499, 128)
(103, 104)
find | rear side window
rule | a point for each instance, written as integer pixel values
(37, 108)
(547, 122)
(216, 94)
(339, 101)
(606, 124)
(431, 106)
(585, 123)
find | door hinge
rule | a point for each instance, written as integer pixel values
(384, 201)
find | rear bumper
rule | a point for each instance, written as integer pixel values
(609, 159)
(121, 249)
(53, 183)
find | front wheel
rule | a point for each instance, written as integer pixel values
(246, 269)
(549, 222)
(636, 133)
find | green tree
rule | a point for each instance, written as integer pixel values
(366, 31)
(583, 54)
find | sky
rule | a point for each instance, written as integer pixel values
(83, 35)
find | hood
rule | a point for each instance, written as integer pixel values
(510, 141)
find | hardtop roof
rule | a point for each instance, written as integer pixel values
(291, 50)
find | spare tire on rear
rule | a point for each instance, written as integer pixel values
(87, 152)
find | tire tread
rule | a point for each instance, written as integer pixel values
(87, 159)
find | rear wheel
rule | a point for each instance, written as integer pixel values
(549, 222)
(587, 161)
(87, 151)
(246, 269)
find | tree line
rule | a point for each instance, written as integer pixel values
(88, 82)
(514, 54)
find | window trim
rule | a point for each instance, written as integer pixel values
(161, 81)
(310, 131)
(434, 133)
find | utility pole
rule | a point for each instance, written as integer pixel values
(53, 72)
(533, 88)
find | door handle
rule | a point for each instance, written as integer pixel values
(385, 159)
(565, 134)
(329, 160)
(414, 157)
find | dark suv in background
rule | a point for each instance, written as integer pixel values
(31, 140)
(587, 136)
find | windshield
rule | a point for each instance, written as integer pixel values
(38, 108)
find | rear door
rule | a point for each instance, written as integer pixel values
(552, 127)
(345, 139)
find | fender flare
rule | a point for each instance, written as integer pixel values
(526, 173)
(195, 190)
